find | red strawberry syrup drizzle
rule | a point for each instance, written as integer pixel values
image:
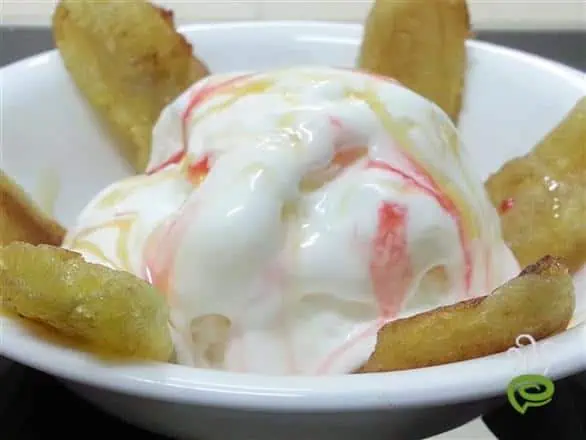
(198, 98)
(390, 273)
(161, 250)
(425, 182)
(159, 259)
(506, 205)
(390, 269)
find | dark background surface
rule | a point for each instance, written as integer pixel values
(34, 406)
(566, 47)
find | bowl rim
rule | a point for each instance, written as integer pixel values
(456, 382)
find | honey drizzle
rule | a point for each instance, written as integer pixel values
(118, 195)
(81, 244)
(237, 92)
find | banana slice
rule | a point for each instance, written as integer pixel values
(113, 312)
(541, 197)
(539, 302)
(420, 43)
(22, 220)
(128, 61)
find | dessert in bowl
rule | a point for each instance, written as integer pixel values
(298, 220)
(197, 402)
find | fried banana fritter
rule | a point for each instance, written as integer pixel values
(420, 43)
(22, 220)
(541, 197)
(113, 311)
(128, 61)
(539, 302)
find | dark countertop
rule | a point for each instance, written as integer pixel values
(566, 47)
(34, 406)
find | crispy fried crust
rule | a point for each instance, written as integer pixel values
(22, 220)
(112, 311)
(541, 196)
(539, 302)
(128, 61)
(421, 44)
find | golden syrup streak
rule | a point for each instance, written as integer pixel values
(286, 124)
(118, 195)
(399, 130)
(81, 243)
(444, 132)
(236, 92)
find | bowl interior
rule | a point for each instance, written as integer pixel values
(48, 132)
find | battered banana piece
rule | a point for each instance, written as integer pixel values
(420, 43)
(128, 61)
(113, 311)
(540, 302)
(22, 220)
(541, 197)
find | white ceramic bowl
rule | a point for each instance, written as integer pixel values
(512, 100)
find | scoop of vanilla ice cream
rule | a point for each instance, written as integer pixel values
(288, 215)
